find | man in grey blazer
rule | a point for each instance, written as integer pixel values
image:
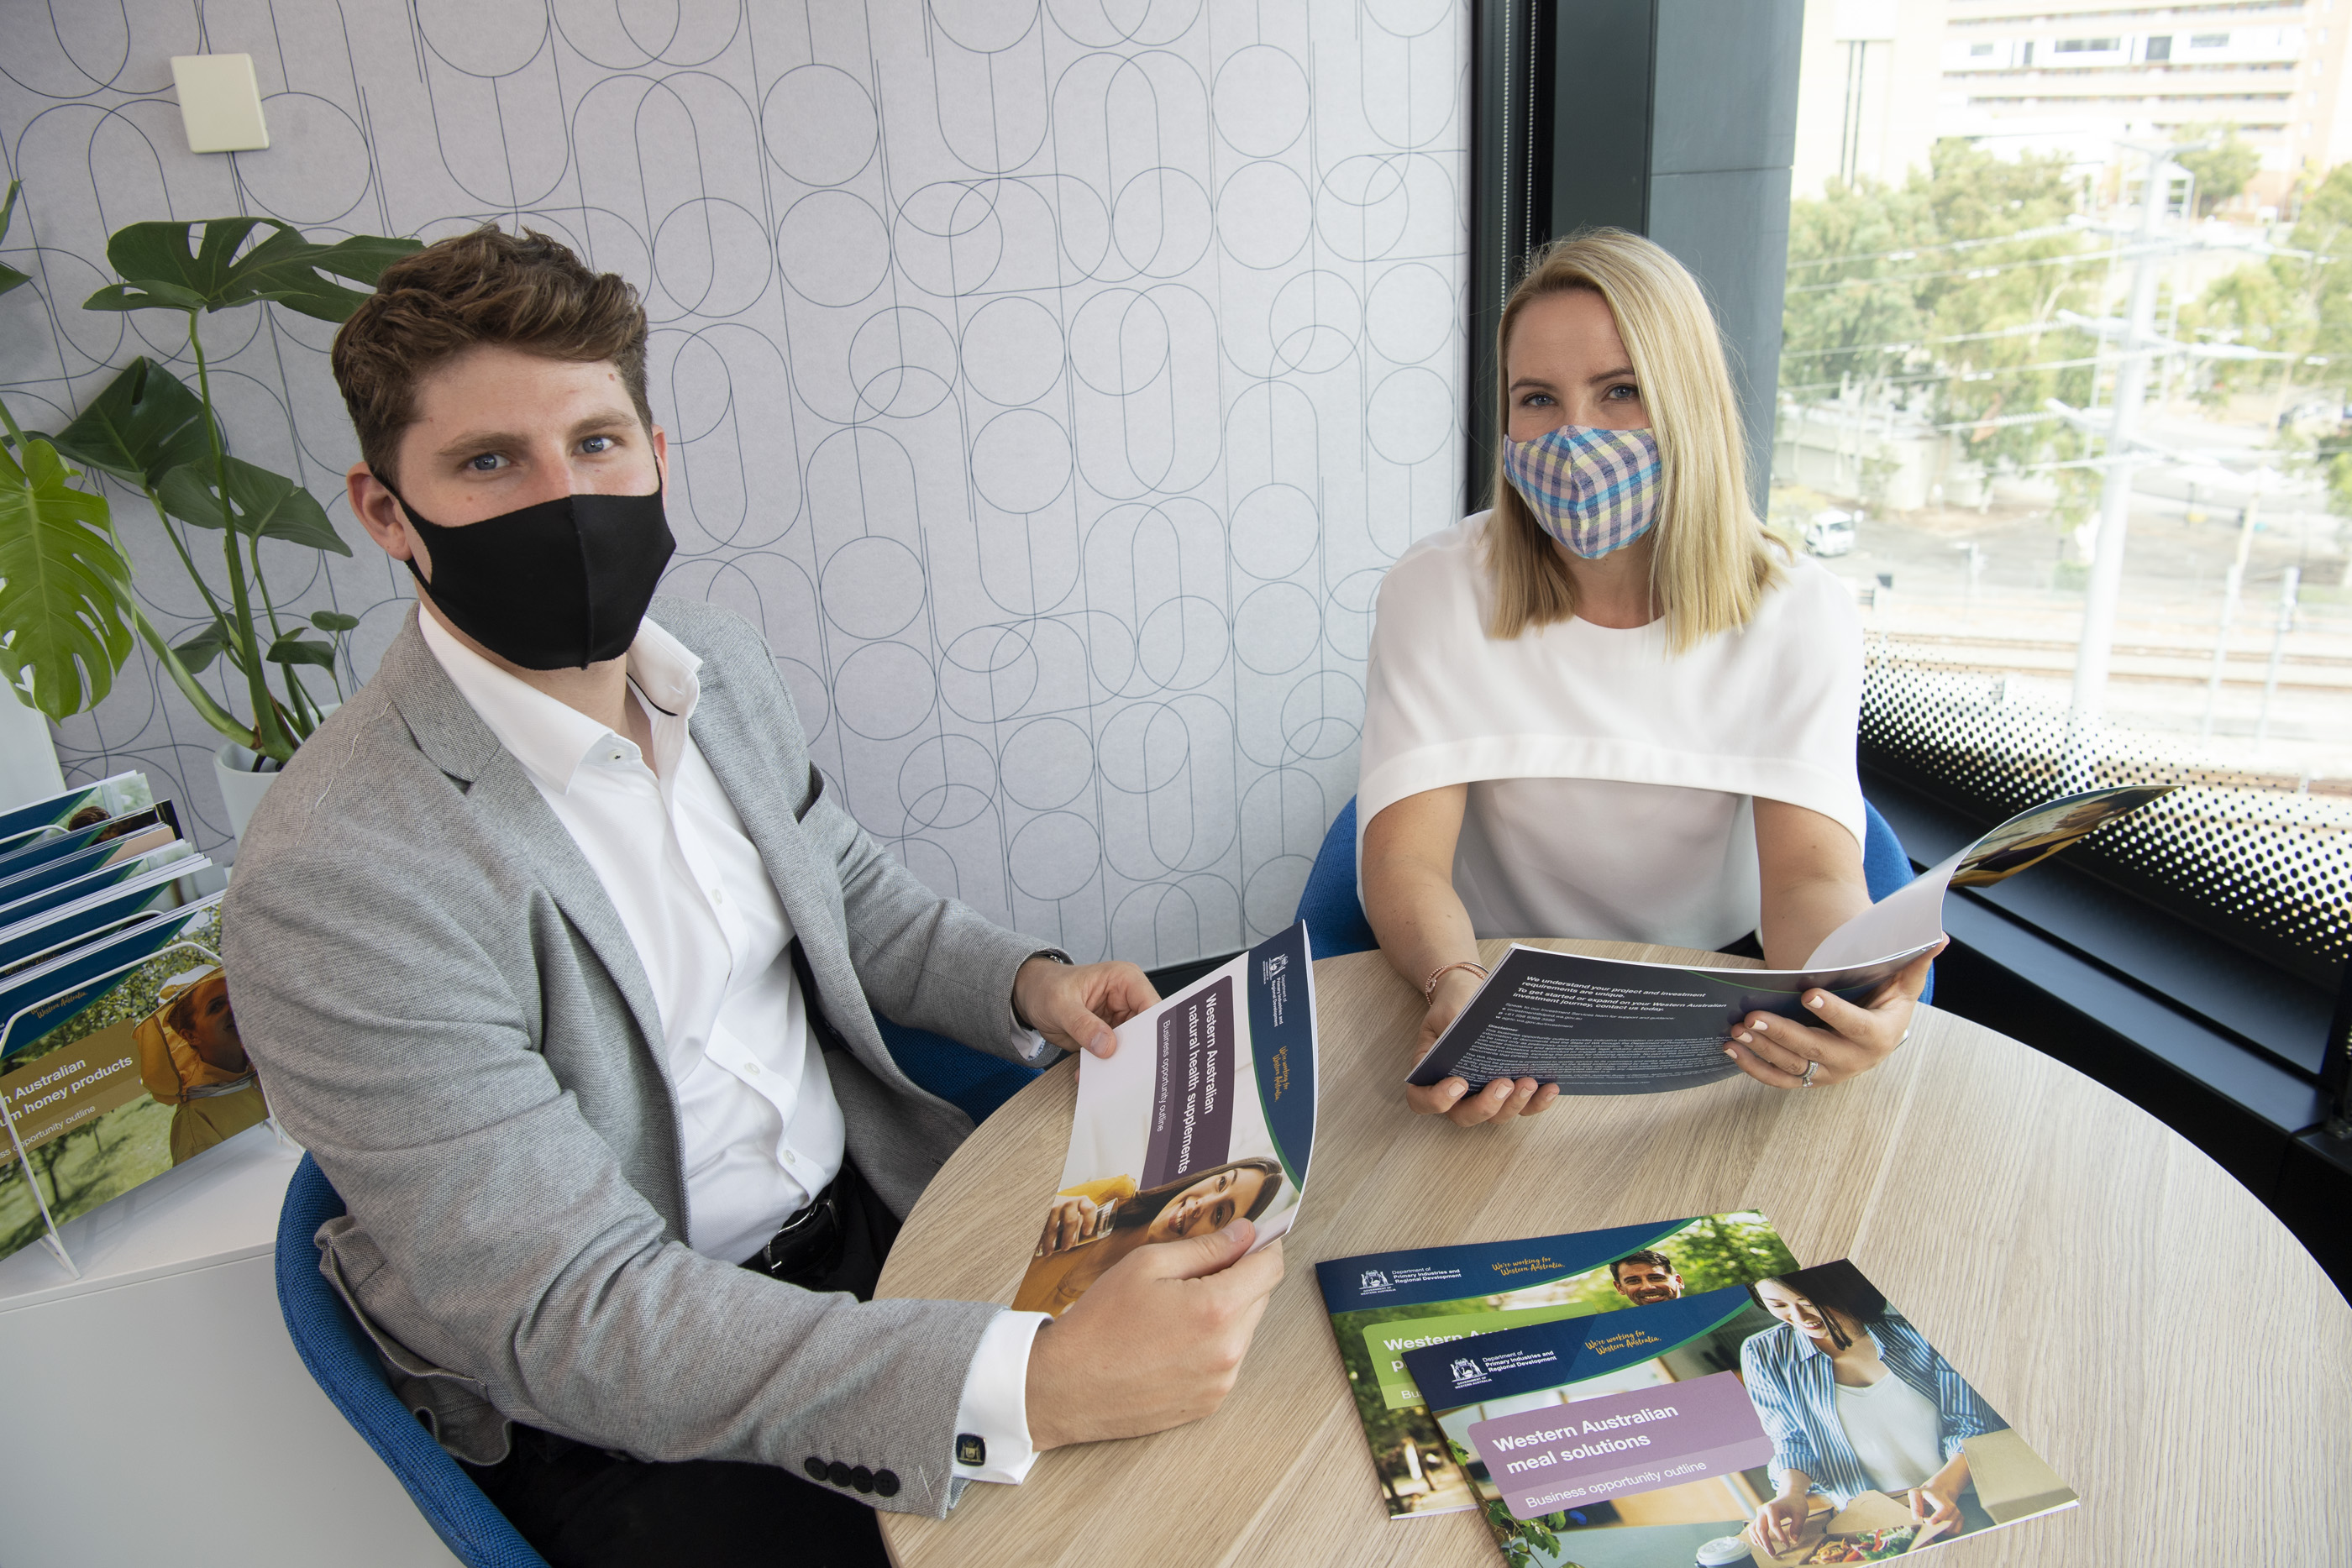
(561, 958)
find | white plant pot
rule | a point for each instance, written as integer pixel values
(241, 788)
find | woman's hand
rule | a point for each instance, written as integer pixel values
(1500, 1099)
(1849, 1041)
(1068, 1222)
(1936, 1501)
(1781, 1523)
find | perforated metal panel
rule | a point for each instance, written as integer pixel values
(2262, 859)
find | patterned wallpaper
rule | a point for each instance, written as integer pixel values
(1050, 380)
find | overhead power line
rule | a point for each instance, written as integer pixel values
(1984, 375)
(2046, 231)
(2081, 258)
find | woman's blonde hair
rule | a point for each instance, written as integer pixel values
(1712, 563)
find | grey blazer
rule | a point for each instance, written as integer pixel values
(448, 1013)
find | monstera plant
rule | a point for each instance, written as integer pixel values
(68, 618)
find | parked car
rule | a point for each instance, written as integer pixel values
(1830, 533)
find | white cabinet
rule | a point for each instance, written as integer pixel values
(153, 1412)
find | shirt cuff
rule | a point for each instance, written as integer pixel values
(1034, 1051)
(995, 1408)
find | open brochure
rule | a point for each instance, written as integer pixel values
(112, 1078)
(1204, 1114)
(1803, 1419)
(1383, 1304)
(1612, 1026)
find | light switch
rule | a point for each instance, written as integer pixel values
(220, 103)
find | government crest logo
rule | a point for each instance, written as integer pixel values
(1465, 1372)
(1374, 1283)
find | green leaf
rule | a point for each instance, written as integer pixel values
(300, 275)
(164, 265)
(294, 649)
(144, 424)
(265, 504)
(9, 276)
(169, 265)
(201, 650)
(329, 620)
(64, 610)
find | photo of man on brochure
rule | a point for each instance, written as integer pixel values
(1813, 1422)
(192, 1057)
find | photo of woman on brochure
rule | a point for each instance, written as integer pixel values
(1090, 1227)
(1855, 1400)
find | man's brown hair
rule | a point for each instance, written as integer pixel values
(1655, 1259)
(524, 291)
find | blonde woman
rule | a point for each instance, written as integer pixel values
(1613, 707)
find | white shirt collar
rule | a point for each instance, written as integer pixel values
(548, 737)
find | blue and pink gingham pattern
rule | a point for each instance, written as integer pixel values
(1594, 490)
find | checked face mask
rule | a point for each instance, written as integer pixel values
(1594, 490)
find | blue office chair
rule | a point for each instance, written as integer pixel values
(971, 1080)
(343, 1362)
(1334, 912)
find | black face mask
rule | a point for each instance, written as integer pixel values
(554, 586)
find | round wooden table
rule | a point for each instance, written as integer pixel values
(2142, 1319)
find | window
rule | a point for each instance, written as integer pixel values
(2208, 40)
(2089, 45)
(1979, 51)
(1919, 367)
(2159, 46)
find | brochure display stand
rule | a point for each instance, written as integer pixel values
(52, 1237)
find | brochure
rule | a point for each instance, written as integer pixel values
(1801, 1420)
(121, 1076)
(1612, 1026)
(74, 912)
(78, 807)
(1205, 1113)
(39, 999)
(1383, 1304)
(44, 863)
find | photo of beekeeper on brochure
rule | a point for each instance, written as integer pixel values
(1204, 1115)
(1800, 1418)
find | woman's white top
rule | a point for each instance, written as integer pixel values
(1894, 1431)
(1611, 784)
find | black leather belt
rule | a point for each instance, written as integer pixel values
(808, 1245)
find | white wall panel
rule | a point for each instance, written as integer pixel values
(1050, 382)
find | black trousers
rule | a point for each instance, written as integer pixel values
(583, 1507)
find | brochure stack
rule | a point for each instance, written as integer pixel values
(119, 1053)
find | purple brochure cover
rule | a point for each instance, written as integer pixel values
(1563, 1455)
(1192, 1099)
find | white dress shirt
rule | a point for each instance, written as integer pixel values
(762, 1132)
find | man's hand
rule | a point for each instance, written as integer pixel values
(1077, 1005)
(1451, 1097)
(1155, 1342)
(1851, 1041)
